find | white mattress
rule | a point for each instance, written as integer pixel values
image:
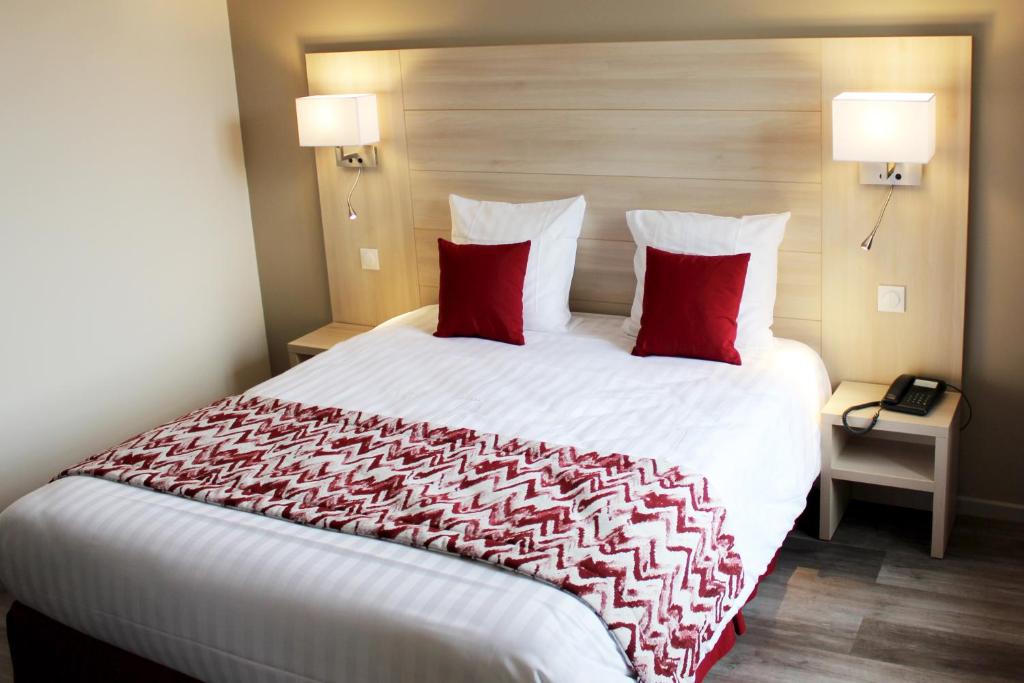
(225, 595)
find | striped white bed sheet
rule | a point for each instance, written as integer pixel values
(224, 595)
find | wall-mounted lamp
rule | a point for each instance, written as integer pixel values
(891, 134)
(346, 122)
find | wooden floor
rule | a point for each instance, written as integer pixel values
(872, 606)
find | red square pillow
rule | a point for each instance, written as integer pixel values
(482, 290)
(690, 306)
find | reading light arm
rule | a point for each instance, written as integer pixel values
(357, 158)
(869, 240)
(352, 215)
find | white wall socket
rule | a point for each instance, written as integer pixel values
(370, 259)
(892, 298)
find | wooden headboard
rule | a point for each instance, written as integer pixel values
(723, 127)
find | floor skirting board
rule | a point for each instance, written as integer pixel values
(991, 509)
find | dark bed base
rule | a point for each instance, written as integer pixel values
(44, 650)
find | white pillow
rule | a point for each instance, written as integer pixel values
(552, 229)
(704, 235)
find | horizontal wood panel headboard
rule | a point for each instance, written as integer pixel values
(721, 127)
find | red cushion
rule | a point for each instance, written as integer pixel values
(482, 290)
(690, 305)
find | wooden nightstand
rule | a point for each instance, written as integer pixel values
(903, 451)
(318, 341)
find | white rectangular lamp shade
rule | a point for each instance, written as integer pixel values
(337, 120)
(883, 127)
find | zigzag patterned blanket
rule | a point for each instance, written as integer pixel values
(642, 544)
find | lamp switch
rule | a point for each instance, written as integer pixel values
(370, 259)
(892, 299)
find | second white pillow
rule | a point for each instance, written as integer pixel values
(706, 235)
(552, 229)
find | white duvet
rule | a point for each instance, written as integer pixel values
(224, 595)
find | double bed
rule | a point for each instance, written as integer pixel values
(720, 127)
(224, 595)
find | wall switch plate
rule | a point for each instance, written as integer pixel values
(892, 299)
(370, 260)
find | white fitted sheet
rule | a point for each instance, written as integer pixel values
(225, 595)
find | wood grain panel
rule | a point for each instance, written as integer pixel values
(604, 273)
(426, 255)
(360, 296)
(798, 290)
(755, 145)
(428, 295)
(922, 242)
(721, 127)
(608, 197)
(722, 74)
(806, 331)
(602, 307)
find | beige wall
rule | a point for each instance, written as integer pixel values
(128, 285)
(270, 37)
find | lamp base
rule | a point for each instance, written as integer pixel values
(881, 173)
(356, 157)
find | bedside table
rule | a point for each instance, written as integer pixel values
(903, 451)
(318, 341)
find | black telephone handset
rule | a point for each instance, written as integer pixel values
(914, 395)
(907, 394)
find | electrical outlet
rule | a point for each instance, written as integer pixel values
(892, 299)
(369, 259)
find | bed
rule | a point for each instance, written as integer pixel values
(223, 595)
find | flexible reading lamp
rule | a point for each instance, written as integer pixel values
(891, 134)
(348, 123)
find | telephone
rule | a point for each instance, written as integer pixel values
(914, 395)
(907, 394)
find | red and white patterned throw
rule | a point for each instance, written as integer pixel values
(643, 544)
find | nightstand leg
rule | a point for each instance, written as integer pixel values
(944, 498)
(834, 496)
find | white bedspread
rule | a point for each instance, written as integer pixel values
(225, 595)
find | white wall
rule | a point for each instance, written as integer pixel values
(128, 285)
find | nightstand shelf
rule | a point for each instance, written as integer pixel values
(900, 464)
(903, 451)
(318, 341)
